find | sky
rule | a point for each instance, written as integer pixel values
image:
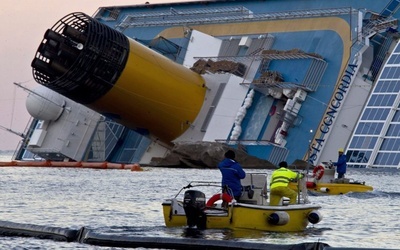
(22, 26)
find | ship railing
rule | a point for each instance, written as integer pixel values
(378, 25)
(276, 155)
(247, 142)
(207, 16)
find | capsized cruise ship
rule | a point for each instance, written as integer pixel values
(281, 80)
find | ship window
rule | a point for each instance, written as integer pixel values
(385, 72)
(39, 124)
(387, 159)
(397, 50)
(369, 128)
(354, 141)
(363, 142)
(371, 142)
(394, 130)
(390, 144)
(394, 59)
(375, 114)
(357, 140)
(395, 74)
(387, 87)
(382, 100)
(394, 87)
(358, 156)
(390, 73)
(396, 117)
(380, 105)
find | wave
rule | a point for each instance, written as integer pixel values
(374, 194)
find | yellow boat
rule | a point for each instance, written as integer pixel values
(251, 211)
(322, 181)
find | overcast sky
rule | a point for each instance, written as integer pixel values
(23, 24)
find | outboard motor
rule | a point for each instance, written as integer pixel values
(194, 203)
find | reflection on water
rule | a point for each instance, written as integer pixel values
(249, 235)
(121, 202)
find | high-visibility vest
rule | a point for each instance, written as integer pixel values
(281, 177)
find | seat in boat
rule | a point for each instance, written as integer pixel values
(254, 189)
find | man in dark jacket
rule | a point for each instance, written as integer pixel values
(341, 164)
(232, 173)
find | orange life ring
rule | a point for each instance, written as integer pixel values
(318, 172)
(223, 196)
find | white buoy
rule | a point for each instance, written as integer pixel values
(278, 218)
(314, 217)
(324, 189)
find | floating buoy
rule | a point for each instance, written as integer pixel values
(278, 218)
(133, 167)
(314, 217)
(324, 190)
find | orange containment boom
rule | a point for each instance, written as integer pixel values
(72, 164)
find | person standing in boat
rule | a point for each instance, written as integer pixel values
(279, 184)
(232, 172)
(341, 164)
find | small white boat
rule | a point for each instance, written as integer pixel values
(251, 211)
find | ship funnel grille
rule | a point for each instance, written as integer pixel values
(80, 58)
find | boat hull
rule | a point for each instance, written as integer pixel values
(293, 218)
(335, 188)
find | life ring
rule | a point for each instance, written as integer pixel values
(223, 196)
(318, 172)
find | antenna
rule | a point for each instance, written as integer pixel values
(33, 92)
(12, 131)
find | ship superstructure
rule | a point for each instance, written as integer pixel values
(280, 81)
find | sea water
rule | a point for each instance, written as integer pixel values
(124, 202)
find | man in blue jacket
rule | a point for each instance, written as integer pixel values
(341, 164)
(232, 173)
